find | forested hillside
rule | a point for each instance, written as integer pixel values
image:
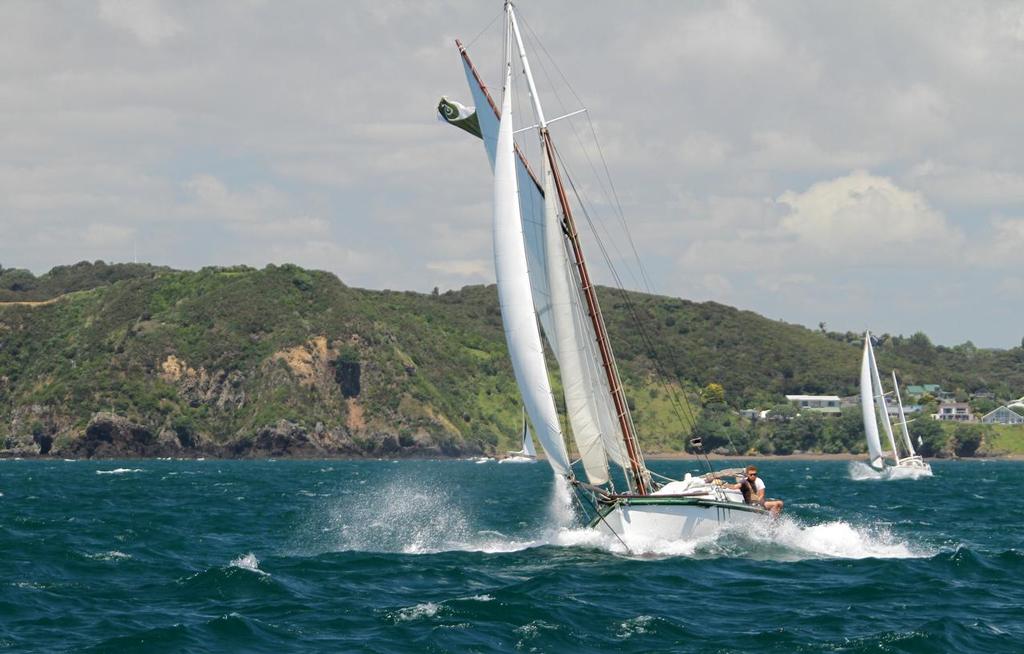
(106, 360)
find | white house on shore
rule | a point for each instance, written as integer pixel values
(1003, 416)
(820, 403)
(954, 412)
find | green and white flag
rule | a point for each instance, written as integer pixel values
(456, 113)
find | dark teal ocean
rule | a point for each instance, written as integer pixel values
(458, 556)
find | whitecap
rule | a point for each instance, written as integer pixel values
(112, 555)
(118, 471)
(424, 610)
(638, 625)
(248, 562)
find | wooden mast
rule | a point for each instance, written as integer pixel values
(600, 331)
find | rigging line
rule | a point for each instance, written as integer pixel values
(613, 197)
(585, 149)
(493, 20)
(669, 389)
(663, 377)
(597, 510)
(633, 312)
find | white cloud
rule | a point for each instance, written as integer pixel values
(107, 235)
(968, 185)
(146, 20)
(1006, 247)
(862, 218)
(472, 269)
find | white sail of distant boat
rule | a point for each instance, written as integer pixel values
(867, 407)
(544, 287)
(875, 409)
(526, 453)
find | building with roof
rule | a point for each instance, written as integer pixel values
(821, 403)
(1004, 415)
(955, 412)
(917, 390)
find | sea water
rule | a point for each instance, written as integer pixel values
(459, 556)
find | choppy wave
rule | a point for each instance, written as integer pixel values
(247, 562)
(453, 556)
(112, 555)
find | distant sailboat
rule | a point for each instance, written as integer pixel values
(874, 409)
(527, 453)
(544, 286)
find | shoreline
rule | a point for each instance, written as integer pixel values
(670, 456)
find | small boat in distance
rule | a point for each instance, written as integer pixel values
(527, 453)
(547, 296)
(874, 409)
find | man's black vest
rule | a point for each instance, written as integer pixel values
(749, 490)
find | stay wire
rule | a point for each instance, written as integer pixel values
(612, 197)
(645, 338)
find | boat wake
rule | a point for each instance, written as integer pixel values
(784, 539)
(413, 519)
(518, 459)
(860, 471)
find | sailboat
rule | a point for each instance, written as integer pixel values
(875, 409)
(527, 453)
(545, 287)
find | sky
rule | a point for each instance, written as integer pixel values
(857, 164)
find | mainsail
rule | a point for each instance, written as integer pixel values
(515, 297)
(867, 407)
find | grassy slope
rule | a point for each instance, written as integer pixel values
(434, 364)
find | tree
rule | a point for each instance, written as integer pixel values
(713, 394)
(966, 439)
(928, 435)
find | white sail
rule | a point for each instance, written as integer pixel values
(903, 418)
(867, 407)
(883, 407)
(515, 295)
(531, 205)
(528, 449)
(571, 338)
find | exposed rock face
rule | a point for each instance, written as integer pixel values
(32, 430)
(111, 436)
(219, 388)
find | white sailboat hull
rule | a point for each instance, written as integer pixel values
(666, 518)
(914, 464)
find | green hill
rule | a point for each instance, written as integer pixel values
(108, 360)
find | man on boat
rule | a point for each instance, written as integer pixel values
(753, 488)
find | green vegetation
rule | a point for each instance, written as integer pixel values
(220, 353)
